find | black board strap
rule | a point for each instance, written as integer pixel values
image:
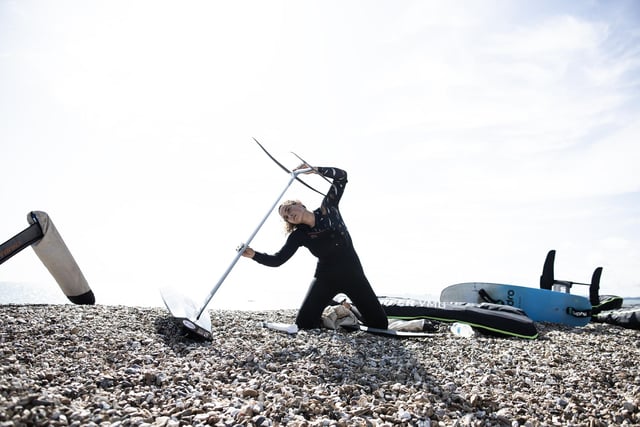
(578, 313)
(486, 298)
(20, 241)
(285, 168)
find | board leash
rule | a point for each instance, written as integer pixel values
(283, 167)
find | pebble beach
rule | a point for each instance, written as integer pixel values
(66, 365)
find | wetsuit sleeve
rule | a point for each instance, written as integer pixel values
(334, 194)
(290, 247)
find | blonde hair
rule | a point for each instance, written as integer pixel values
(288, 227)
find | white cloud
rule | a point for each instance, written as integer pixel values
(499, 131)
(551, 39)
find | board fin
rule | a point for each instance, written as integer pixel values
(546, 280)
(283, 167)
(185, 310)
(594, 288)
(601, 302)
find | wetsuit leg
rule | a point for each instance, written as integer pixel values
(366, 301)
(318, 297)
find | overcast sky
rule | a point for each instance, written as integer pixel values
(477, 136)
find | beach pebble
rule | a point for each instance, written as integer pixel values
(64, 365)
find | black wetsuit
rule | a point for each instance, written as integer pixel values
(338, 269)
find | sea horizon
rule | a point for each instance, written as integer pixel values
(30, 293)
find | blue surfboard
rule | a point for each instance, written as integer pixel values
(540, 305)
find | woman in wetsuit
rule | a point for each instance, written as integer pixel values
(324, 233)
